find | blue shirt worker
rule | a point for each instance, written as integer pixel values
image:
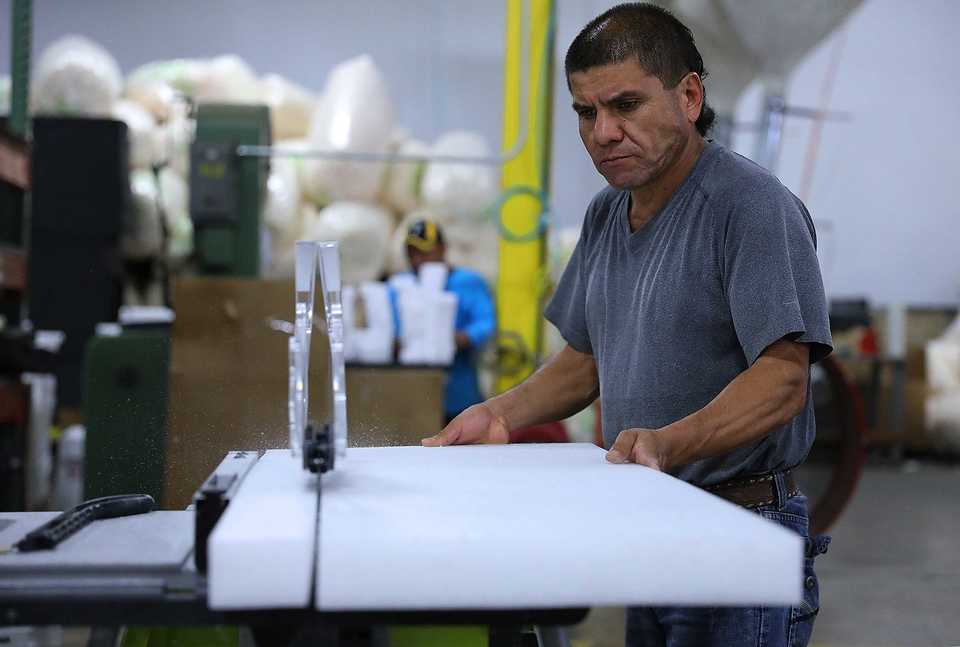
(475, 321)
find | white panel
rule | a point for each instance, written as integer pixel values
(528, 526)
(261, 554)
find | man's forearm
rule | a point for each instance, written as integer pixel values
(759, 400)
(567, 383)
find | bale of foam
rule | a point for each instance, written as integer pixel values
(184, 75)
(291, 106)
(227, 79)
(363, 231)
(356, 115)
(401, 188)
(174, 200)
(143, 135)
(460, 189)
(75, 76)
(143, 232)
(281, 211)
(176, 136)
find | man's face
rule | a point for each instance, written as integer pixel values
(418, 257)
(631, 125)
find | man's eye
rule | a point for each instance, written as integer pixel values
(586, 114)
(628, 106)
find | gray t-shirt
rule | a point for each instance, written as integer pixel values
(673, 312)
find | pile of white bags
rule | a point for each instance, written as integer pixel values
(145, 139)
(354, 115)
(428, 316)
(363, 231)
(366, 206)
(75, 76)
(291, 106)
(143, 235)
(461, 191)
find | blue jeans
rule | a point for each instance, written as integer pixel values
(736, 626)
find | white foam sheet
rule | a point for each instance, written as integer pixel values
(537, 526)
(261, 553)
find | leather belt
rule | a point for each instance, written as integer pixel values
(753, 491)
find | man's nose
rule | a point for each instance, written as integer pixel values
(606, 129)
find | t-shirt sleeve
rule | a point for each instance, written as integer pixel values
(771, 274)
(567, 309)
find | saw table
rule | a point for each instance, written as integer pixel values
(495, 535)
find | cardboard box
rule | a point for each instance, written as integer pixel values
(229, 382)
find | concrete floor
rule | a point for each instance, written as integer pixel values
(892, 575)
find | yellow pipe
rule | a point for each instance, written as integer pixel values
(522, 265)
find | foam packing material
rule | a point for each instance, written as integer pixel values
(291, 106)
(144, 136)
(227, 79)
(75, 76)
(372, 342)
(355, 114)
(261, 553)
(143, 235)
(460, 191)
(401, 189)
(183, 75)
(175, 204)
(283, 197)
(537, 526)
(363, 231)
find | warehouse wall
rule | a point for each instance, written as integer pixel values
(881, 192)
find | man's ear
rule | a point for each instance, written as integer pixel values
(691, 95)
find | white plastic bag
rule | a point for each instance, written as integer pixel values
(176, 136)
(144, 137)
(281, 211)
(354, 115)
(182, 74)
(75, 76)
(363, 231)
(291, 106)
(175, 204)
(143, 235)
(368, 323)
(475, 246)
(401, 189)
(227, 79)
(427, 321)
(462, 191)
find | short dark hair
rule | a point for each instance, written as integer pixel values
(662, 45)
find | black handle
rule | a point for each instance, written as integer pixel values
(65, 524)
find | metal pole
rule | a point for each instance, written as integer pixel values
(21, 28)
(768, 148)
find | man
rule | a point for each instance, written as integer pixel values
(475, 321)
(692, 305)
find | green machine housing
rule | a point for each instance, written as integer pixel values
(227, 191)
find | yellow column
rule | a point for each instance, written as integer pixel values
(525, 179)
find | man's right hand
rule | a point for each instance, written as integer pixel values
(476, 425)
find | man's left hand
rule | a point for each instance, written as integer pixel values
(462, 340)
(641, 446)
